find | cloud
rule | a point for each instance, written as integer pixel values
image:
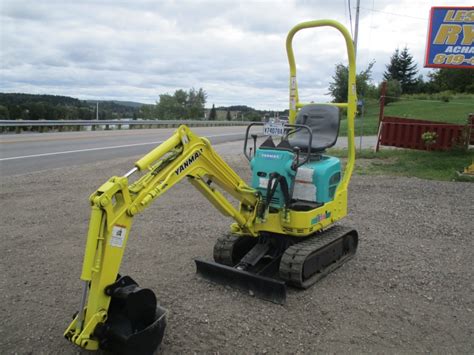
(136, 50)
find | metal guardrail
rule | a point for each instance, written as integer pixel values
(44, 125)
(55, 123)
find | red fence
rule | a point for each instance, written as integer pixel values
(407, 133)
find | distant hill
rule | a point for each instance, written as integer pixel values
(21, 99)
(118, 102)
(243, 112)
(16, 106)
(54, 107)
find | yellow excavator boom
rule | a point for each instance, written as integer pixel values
(117, 201)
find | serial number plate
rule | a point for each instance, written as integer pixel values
(273, 129)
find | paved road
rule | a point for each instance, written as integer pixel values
(25, 153)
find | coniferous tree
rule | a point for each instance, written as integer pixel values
(403, 69)
(212, 113)
(227, 117)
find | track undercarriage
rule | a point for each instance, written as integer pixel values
(264, 266)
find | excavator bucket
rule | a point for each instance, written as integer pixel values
(135, 323)
(262, 287)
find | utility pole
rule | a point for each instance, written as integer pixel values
(97, 111)
(356, 29)
(356, 36)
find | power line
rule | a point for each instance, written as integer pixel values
(393, 14)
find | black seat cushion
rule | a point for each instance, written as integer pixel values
(324, 123)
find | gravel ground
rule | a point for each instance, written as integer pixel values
(409, 288)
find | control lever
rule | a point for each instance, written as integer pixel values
(297, 160)
(254, 137)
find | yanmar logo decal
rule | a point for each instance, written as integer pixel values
(270, 156)
(188, 162)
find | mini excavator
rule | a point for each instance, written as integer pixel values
(284, 230)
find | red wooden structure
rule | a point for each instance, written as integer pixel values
(407, 132)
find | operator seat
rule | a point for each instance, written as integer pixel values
(324, 123)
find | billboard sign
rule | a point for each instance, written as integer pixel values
(450, 38)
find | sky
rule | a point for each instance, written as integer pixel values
(135, 50)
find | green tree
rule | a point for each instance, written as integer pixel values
(148, 112)
(15, 111)
(403, 69)
(60, 112)
(228, 117)
(181, 105)
(195, 103)
(169, 108)
(457, 80)
(338, 87)
(83, 113)
(253, 116)
(212, 113)
(4, 113)
(37, 111)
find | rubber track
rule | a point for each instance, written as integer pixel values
(292, 262)
(223, 249)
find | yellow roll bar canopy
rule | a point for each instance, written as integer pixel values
(351, 103)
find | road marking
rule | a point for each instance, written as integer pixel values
(67, 136)
(101, 148)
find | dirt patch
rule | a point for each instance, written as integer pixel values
(409, 288)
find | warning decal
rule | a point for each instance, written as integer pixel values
(118, 236)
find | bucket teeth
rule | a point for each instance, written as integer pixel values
(262, 287)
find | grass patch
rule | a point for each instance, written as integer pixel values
(455, 111)
(370, 121)
(442, 166)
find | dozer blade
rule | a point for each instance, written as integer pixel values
(262, 287)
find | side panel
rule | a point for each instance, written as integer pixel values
(304, 223)
(267, 161)
(326, 177)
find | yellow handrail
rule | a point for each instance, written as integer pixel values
(351, 88)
